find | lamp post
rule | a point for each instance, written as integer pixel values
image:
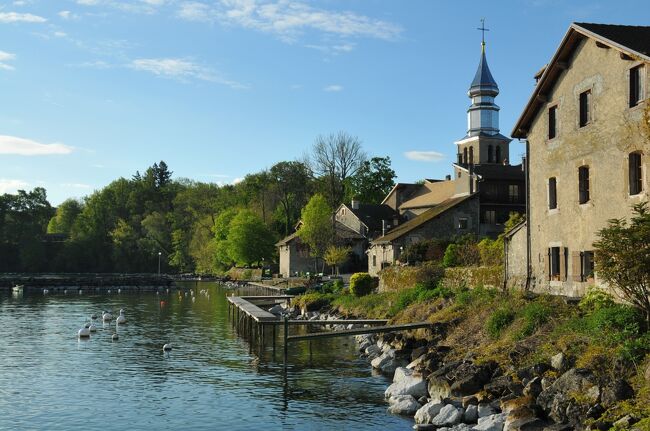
(159, 253)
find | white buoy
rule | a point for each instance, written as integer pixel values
(167, 347)
(108, 291)
(85, 331)
(107, 316)
(45, 291)
(115, 337)
(92, 327)
(119, 290)
(121, 318)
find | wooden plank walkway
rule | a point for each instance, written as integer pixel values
(252, 310)
(250, 298)
(358, 331)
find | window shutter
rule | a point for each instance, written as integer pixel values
(549, 268)
(563, 263)
(576, 266)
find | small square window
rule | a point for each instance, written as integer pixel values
(462, 223)
(585, 108)
(490, 217)
(513, 193)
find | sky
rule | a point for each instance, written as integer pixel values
(94, 90)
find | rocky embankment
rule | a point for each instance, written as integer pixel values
(464, 394)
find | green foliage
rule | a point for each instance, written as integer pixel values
(594, 299)
(332, 287)
(623, 257)
(336, 256)
(450, 258)
(422, 292)
(249, 240)
(464, 252)
(372, 182)
(424, 251)
(499, 320)
(361, 284)
(534, 314)
(64, 218)
(491, 251)
(317, 229)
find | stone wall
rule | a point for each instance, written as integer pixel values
(515, 258)
(406, 277)
(475, 276)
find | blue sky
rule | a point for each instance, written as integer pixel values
(92, 90)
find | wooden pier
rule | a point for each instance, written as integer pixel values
(252, 322)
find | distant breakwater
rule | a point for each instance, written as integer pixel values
(90, 280)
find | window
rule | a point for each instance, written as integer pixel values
(583, 184)
(490, 217)
(462, 223)
(636, 86)
(465, 155)
(498, 154)
(585, 108)
(635, 173)
(513, 192)
(586, 265)
(490, 154)
(557, 258)
(552, 122)
(374, 260)
(552, 193)
(471, 155)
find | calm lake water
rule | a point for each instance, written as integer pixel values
(51, 380)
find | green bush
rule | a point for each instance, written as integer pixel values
(595, 298)
(479, 294)
(534, 314)
(420, 293)
(361, 284)
(248, 274)
(464, 253)
(450, 259)
(491, 251)
(499, 320)
(424, 251)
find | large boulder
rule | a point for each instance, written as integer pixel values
(387, 362)
(502, 386)
(560, 362)
(439, 389)
(491, 423)
(471, 414)
(559, 402)
(403, 405)
(449, 415)
(470, 378)
(406, 382)
(428, 412)
(618, 390)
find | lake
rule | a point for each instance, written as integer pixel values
(49, 379)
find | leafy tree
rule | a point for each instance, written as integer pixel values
(291, 183)
(221, 230)
(373, 181)
(66, 214)
(249, 240)
(337, 256)
(335, 158)
(317, 229)
(623, 257)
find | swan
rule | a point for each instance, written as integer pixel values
(121, 318)
(167, 347)
(107, 316)
(85, 331)
(45, 291)
(115, 337)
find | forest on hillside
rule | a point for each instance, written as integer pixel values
(195, 226)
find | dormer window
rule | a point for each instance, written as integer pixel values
(585, 108)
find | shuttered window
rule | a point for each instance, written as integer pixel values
(635, 173)
(585, 108)
(558, 263)
(552, 122)
(583, 184)
(636, 86)
(552, 193)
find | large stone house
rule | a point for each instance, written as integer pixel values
(588, 138)
(478, 200)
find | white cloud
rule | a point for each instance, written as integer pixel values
(60, 34)
(4, 58)
(76, 185)
(8, 17)
(182, 70)
(88, 2)
(20, 3)
(424, 156)
(66, 14)
(11, 186)
(26, 147)
(334, 88)
(237, 181)
(288, 19)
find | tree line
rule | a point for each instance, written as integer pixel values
(195, 226)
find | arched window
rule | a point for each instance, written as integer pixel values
(498, 154)
(471, 155)
(465, 155)
(490, 154)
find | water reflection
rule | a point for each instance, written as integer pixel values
(50, 379)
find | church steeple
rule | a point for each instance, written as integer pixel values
(483, 114)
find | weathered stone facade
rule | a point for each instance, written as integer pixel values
(562, 238)
(515, 243)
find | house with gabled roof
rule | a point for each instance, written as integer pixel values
(587, 128)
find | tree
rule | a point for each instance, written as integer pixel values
(249, 240)
(291, 182)
(317, 229)
(373, 181)
(336, 157)
(66, 214)
(623, 257)
(336, 256)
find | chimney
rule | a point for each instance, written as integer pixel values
(354, 204)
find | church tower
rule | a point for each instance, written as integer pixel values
(483, 143)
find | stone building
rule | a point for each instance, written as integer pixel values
(478, 200)
(587, 131)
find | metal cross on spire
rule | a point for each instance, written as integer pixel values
(483, 30)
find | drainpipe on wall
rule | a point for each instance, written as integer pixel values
(528, 224)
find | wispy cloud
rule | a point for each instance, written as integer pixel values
(11, 186)
(334, 88)
(217, 176)
(288, 19)
(76, 186)
(4, 58)
(66, 14)
(27, 147)
(140, 6)
(9, 17)
(182, 70)
(424, 156)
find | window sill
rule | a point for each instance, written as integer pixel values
(638, 196)
(638, 106)
(552, 211)
(587, 204)
(556, 283)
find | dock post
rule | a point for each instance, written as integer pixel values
(286, 339)
(273, 336)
